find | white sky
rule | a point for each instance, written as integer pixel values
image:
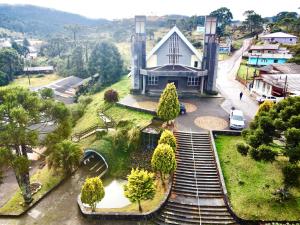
(115, 9)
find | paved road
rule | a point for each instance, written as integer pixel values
(230, 88)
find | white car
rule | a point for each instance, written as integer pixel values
(263, 98)
(236, 120)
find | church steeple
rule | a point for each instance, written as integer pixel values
(138, 51)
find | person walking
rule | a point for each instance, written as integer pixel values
(241, 95)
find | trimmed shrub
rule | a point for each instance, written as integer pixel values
(111, 96)
(266, 153)
(254, 153)
(291, 174)
(242, 148)
(100, 134)
(167, 137)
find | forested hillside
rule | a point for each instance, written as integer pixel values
(38, 21)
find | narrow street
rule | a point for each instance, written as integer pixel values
(231, 88)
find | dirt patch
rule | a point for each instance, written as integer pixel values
(211, 123)
(146, 105)
(190, 107)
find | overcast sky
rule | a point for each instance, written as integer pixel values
(115, 9)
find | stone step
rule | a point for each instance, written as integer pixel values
(170, 219)
(195, 214)
(200, 192)
(193, 181)
(199, 179)
(197, 170)
(195, 167)
(188, 163)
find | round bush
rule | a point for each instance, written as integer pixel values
(242, 148)
(111, 96)
(291, 174)
(266, 153)
(254, 153)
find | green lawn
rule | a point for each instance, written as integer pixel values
(90, 116)
(242, 72)
(35, 80)
(250, 184)
(46, 177)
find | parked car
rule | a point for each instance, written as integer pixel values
(182, 108)
(236, 120)
(263, 98)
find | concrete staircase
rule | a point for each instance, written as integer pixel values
(196, 195)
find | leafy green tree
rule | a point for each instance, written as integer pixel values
(3, 79)
(266, 106)
(254, 22)
(57, 46)
(167, 137)
(10, 63)
(224, 17)
(21, 114)
(140, 186)
(168, 106)
(281, 120)
(92, 192)
(46, 93)
(163, 160)
(66, 156)
(77, 63)
(22, 50)
(106, 60)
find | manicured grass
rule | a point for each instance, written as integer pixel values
(35, 80)
(147, 206)
(251, 184)
(46, 177)
(90, 116)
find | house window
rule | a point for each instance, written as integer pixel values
(196, 64)
(264, 60)
(275, 60)
(291, 39)
(152, 80)
(193, 81)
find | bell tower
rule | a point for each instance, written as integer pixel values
(210, 54)
(138, 50)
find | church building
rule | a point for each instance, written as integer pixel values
(174, 60)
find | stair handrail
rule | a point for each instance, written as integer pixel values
(195, 175)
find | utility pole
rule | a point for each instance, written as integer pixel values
(254, 74)
(285, 87)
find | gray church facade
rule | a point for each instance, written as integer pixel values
(174, 60)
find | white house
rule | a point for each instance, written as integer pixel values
(280, 37)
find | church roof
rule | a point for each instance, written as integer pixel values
(167, 36)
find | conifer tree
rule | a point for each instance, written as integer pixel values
(168, 106)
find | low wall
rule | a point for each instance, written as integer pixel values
(213, 134)
(124, 215)
(136, 108)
